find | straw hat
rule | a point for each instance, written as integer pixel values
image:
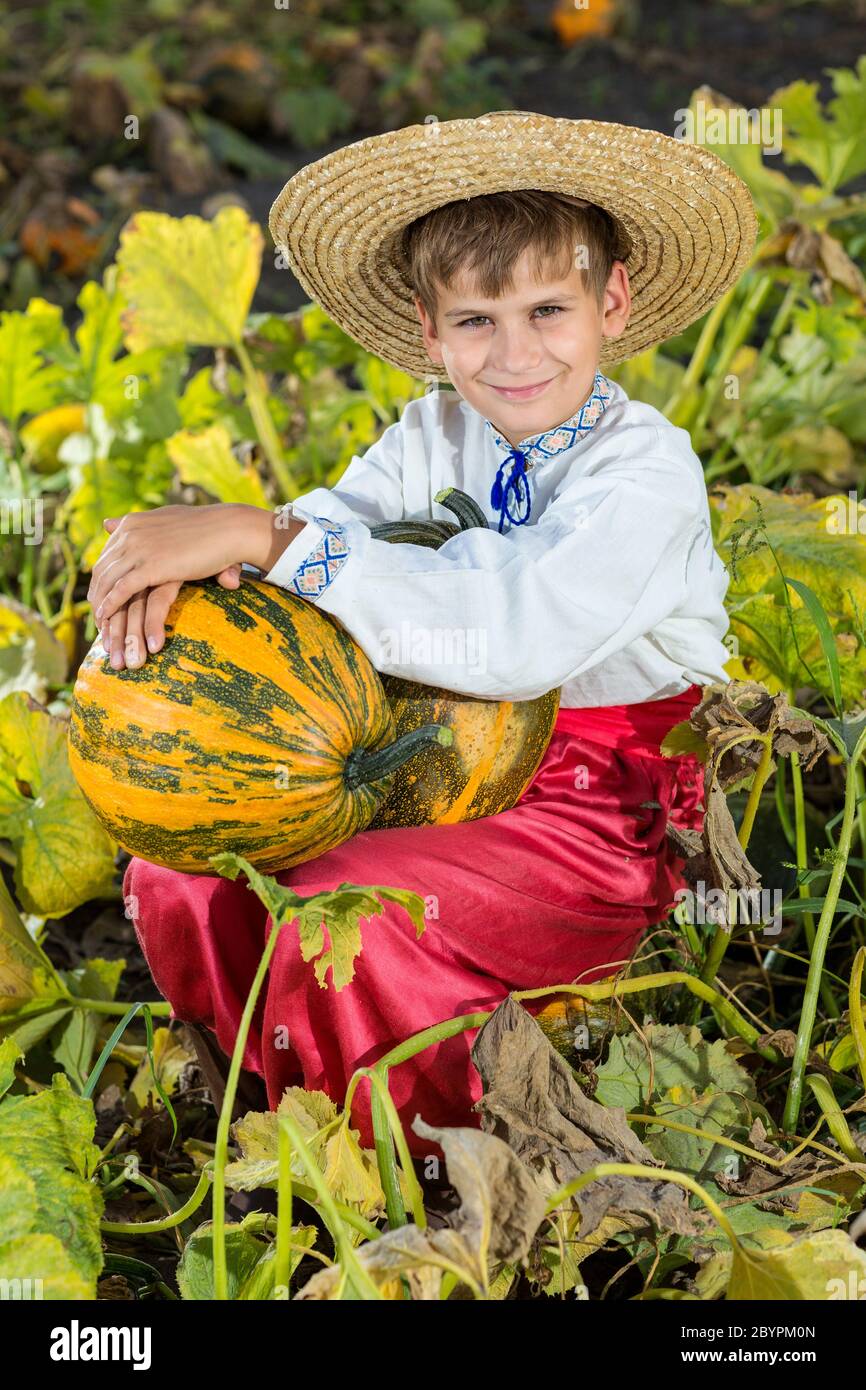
(688, 220)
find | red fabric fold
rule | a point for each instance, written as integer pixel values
(631, 728)
(560, 888)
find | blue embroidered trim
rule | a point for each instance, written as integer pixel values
(323, 563)
(538, 447)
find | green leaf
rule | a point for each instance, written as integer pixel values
(230, 146)
(19, 1208)
(817, 546)
(44, 1268)
(206, 460)
(312, 114)
(825, 635)
(31, 658)
(10, 1055)
(390, 388)
(680, 1058)
(850, 731)
(63, 855)
(135, 72)
(195, 1271)
(650, 377)
(54, 1130)
(27, 384)
(340, 909)
(186, 280)
(259, 1283)
(249, 1261)
(717, 1112)
(26, 973)
(832, 145)
(97, 979)
(119, 384)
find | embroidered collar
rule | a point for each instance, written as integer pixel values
(538, 447)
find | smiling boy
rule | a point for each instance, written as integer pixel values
(507, 257)
(516, 294)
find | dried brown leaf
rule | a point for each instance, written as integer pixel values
(533, 1102)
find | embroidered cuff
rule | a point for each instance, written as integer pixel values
(323, 563)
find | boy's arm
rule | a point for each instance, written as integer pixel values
(517, 614)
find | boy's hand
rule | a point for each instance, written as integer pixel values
(173, 544)
(139, 626)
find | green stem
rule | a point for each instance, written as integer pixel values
(115, 1006)
(722, 935)
(678, 404)
(734, 339)
(220, 1271)
(283, 1252)
(860, 780)
(782, 804)
(855, 1011)
(365, 765)
(822, 937)
(265, 428)
(803, 890)
(603, 989)
(380, 1093)
(758, 782)
(779, 324)
(164, 1223)
(829, 1106)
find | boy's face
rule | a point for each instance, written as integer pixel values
(525, 361)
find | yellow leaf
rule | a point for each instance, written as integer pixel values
(187, 280)
(822, 1267)
(63, 855)
(31, 657)
(205, 459)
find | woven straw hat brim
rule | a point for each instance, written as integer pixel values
(339, 221)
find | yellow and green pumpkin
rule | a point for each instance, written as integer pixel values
(497, 746)
(260, 728)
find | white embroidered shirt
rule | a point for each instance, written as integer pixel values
(597, 573)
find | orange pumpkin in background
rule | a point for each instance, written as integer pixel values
(593, 20)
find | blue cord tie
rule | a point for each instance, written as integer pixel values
(516, 488)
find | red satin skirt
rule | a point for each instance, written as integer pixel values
(558, 889)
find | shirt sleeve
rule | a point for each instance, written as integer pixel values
(514, 615)
(370, 490)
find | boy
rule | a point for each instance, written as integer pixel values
(468, 252)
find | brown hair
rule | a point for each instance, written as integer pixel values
(486, 234)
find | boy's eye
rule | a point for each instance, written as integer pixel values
(546, 310)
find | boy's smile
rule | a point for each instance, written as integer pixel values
(527, 359)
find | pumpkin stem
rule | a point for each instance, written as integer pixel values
(372, 764)
(464, 507)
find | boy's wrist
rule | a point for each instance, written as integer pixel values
(266, 535)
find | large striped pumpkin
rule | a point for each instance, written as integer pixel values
(497, 745)
(259, 728)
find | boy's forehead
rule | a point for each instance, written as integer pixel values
(525, 284)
